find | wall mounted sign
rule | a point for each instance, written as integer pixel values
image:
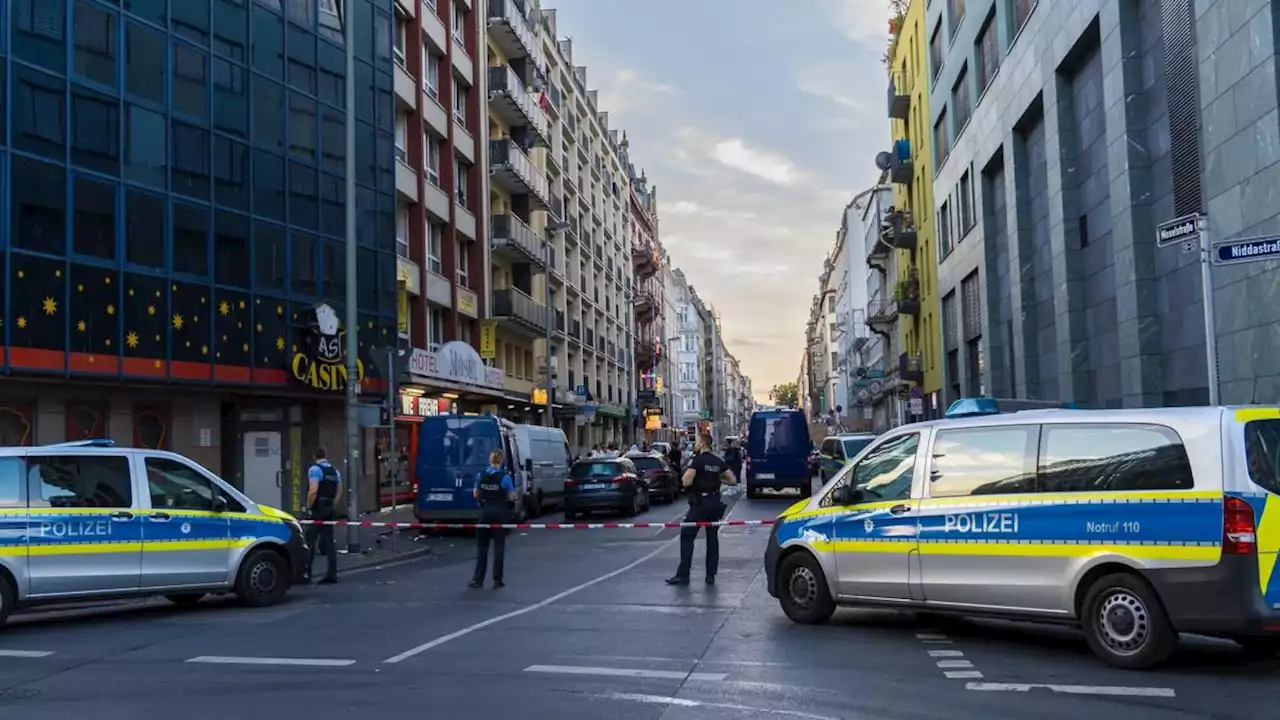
(323, 365)
(456, 362)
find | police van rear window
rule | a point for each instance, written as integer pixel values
(1262, 451)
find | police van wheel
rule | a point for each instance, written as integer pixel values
(1125, 624)
(263, 579)
(804, 595)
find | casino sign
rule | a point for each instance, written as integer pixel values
(323, 365)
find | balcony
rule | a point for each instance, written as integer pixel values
(644, 260)
(911, 367)
(555, 100)
(906, 294)
(515, 241)
(557, 207)
(645, 304)
(899, 99)
(899, 229)
(878, 254)
(882, 315)
(646, 352)
(509, 100)
(512, 32)
(519, 311)
(575, 330)
(511, 169)
(901, 167)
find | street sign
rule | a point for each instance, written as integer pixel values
(915, 406)
(1179, 230)
(1246, 250)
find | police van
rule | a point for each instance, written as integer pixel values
(1134, 524)
(87, 520)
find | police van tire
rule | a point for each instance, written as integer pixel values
(185, 599)
(8, 597)
(1125, 623)
(263, 579)
(803, 591)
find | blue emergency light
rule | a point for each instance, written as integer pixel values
(977, 406)
(87, 442)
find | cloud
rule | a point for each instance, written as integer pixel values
(627, 90)
(735, 153)
(831, 89)
(860, 20)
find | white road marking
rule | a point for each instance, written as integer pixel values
(524, 610)
(1113, 691)
(945, 653)
(962, 674)
(954, 664)
(930, 636)
(937, 642)
(681, 702)
(304, 662)
(625, 672)
(644, 658)
(25, 653)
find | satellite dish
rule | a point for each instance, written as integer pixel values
(883, 160)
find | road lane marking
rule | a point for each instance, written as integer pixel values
(525, 610)
(930, 636)
(945, 653)
(950, 662)
(304, 662)
(1113, 691)
(625, 672)
(955, 664)
(962, 674)
(682, 702)
(25, 653)
(649, 658)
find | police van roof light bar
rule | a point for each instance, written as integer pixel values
(89, 442)
(979, 406)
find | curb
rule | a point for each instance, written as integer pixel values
(369, 561)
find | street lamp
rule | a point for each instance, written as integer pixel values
(555, 227)
(346, 12)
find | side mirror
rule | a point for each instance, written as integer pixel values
(846, 495)
(219, 504)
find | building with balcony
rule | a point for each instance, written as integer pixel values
(173, 278)
(648, 295)
(669, 391)
(909, 226)
(689, 356)
(1054, 166)
(893, 295)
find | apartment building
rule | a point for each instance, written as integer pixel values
(1064, 133)
(640, 230)
(670, 392)
(689, 354)
(888, 371)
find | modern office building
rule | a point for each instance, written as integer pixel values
(173, 266)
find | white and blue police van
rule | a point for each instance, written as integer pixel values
(1136, 525)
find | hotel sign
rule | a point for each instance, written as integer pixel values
(456, 362)
(323, 366)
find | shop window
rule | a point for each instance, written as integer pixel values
(17, 423)
(151, 427)
(86, 420)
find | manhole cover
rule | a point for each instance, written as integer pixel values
(19, 694)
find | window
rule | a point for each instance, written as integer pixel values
(304, 196)
(94, 38)
(460, 24)
(1096, 457)
(303, 261)
(402, 231)
(431, 72)
(935, 52)
(464, 264)
(971, 298)
(435, 328)
(435, 148)
(401, 34)
(176, 486)
(1261, 451)
(190, 160)
(884, 473)
(144, 222)
(301, 12)
(39, 113)
(153, 10)
(402, 137)
(146, 142)
(230, 173)
(190, 81)
(960, 105)
(984, 461)
(94, 222)
(144, 63)
(944, 229)
(95, 131)
(267, 46)
(230, 249)
(941, 138)
(39, 206)
(967, 217)
(230, 98)
(303, 142)
(435, 246)
(230, 29)
(1021, 12)
(79, 481)
(40, 32)
(190, 239)
(302, 60)
(691, 404)
(268, 185)
(268, 114)
(462, 178)
(191, 20)
(269, 256)
(333, 149)
(955, 14)
(12, 494)
(988, 53)
(460, 93)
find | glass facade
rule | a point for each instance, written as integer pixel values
(172, 179)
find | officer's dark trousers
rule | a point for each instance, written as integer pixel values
(499, 539)
(315, 535)
(708, 508)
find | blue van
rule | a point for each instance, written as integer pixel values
(778, 448)
(452, 451)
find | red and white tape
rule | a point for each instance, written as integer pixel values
(537, 526)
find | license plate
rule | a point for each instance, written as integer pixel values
(595, 486)
(764, 476)
(439, 497)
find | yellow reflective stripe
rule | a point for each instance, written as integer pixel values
(1247, 414)
(43, 512)
(123, 547)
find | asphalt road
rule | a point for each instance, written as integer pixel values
(584, 629)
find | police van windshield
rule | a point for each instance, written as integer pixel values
(595, 469)
(1262, 451)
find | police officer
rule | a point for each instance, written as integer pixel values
(733, 457)
(702, 480)
(496, 492)
(324, 488)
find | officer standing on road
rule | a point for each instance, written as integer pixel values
(496, 492)
(324, 488)
(702, 480)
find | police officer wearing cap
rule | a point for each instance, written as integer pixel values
(702, 480)
(495, 491)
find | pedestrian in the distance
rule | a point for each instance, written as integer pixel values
(323, 492)
(702, 481)
(674, 456)
(733, 458)
(496, 493)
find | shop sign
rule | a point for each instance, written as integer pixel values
(408, 275)
(323, 365)
(456, 362)
(488, 339)
(538, 396)
(467, 302)
(419, 406)
(653, 422)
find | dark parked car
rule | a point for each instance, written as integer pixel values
(657, 474)
(604, 484)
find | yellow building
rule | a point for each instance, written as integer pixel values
(912, 173)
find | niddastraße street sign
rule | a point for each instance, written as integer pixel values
(1246, 250)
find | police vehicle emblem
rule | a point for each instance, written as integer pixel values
(868, 525)
(186, 528)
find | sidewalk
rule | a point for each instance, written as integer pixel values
(380, 545)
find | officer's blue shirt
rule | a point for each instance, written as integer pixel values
(507, 483)
(316, 473)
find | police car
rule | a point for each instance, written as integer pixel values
(1134, 524)
(87, 520)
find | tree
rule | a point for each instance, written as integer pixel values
(785, 394)
(897, 14)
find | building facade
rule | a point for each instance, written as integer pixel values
(888, 372)
(671, 393)
(1065, 133)
(689, 354)
(640, 227)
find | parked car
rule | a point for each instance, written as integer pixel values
(604, 484)
(662, 479)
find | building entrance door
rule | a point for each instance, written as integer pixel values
(263, 468)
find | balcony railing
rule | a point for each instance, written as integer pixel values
(901, 167)
(512, 32)
(557, 206)
(512, 237)
(509, 99)
(511, 167)
(881, 312)
(899, 229)
(522, 310)
(906, 294)
(899, 96)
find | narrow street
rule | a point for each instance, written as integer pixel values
(584, 629)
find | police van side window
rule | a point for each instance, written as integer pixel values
(984, 461)
(11, 491)
(883, 474)
(1090, 458)
(79, 481)
(175, 486)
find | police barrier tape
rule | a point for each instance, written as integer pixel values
(537, 526)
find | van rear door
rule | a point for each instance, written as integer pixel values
(778, 445)
(452, 451)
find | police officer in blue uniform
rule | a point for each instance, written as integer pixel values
(702, 480)
(324, 488)
(496, 493)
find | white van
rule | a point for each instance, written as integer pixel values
(547, 459)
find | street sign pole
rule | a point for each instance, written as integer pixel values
(1210, 326)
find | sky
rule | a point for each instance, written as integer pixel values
(758, 126)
